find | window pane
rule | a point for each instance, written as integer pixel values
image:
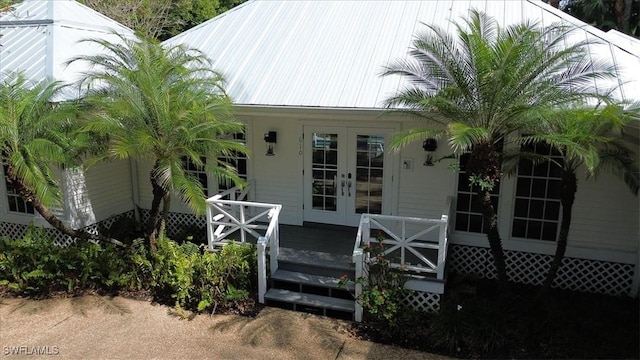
(475, 223)
(524, 187)
(538, 188)
(536, 209)
(521, 208)
(552, 210)
(534, 230)
(462, 222)
(519, 228)
(549, 231)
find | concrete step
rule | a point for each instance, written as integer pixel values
(318, 301)
(311, 280)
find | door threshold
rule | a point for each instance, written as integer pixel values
(310, 224)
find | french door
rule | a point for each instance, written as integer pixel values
(347, 173)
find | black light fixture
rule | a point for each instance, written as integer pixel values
(429, 145)
(270, 138)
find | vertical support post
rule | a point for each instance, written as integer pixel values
(243, 233)
(366, 230)
(403, 244)
(262, 269)
(358, 259)
(274, 248)
(442, 246)
(210, 234)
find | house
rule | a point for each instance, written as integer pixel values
(305, 78)
(307, 74)
(38, 38)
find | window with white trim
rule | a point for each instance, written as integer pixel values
(15, 202)
(237, 160)
(536, 210)
(468, 206)
(199, 172)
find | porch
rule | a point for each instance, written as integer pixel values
(300, 267)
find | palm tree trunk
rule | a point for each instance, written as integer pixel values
(485, 164)
(159, 193)
(623, 14)
(568, 188)
(29, 197)
(490, 220)
(166, 207)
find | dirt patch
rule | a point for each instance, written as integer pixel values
(100, 327)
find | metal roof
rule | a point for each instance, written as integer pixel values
(39, 36)
(331, 53)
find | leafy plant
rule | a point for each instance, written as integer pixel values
(34, 265)
(383, 291)
(196, 279)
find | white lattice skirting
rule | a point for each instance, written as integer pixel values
(178, 222)
(423, 301)
(17, 231)
(529, 268)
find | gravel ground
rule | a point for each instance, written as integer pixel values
(94, 327)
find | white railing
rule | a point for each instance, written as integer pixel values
(406, 236)
(244, 218)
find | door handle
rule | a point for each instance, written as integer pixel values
(342, 187)
(349, 184)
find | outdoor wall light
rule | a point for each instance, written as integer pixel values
(270, 138)
(430, 145)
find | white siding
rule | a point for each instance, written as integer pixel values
(605, 215)
(278, 177)
(424, 189)
(99, 193)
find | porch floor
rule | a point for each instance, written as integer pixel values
(319, 237)
(328, 239)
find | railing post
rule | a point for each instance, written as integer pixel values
(274, 248)
(262, 269)
(210, 234)
(366, 230)
(442, 246)
(358, 260)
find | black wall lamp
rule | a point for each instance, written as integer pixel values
(429, 145)
(270, 138)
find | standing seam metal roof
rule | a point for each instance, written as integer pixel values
(39, 36)
(331, 53)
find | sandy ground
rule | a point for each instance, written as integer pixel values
(95, 327)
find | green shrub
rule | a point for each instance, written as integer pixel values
(186, 275)
(34, 265)
(383, 291)
(199, 280)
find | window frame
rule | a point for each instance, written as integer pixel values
(11, 193)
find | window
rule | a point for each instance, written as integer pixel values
(237, 160)
(468, 206)
(537, 201)
(197, 171)
(16, 204)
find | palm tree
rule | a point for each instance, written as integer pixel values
(37, 138)
(482, 84)
(584, 138)
(163, 105)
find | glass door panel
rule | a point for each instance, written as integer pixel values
(369, 174)
(346, 174)
(324, 166)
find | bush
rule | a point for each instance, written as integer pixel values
(383, 291)
(34, 265)
(186, 275)
(195, 279)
